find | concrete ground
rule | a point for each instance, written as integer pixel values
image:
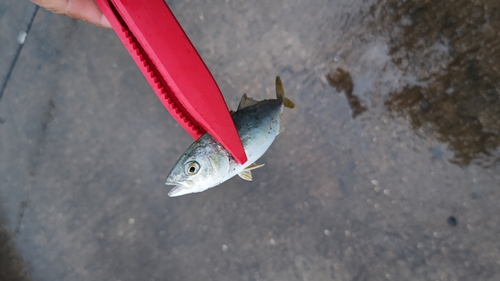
(388, 168)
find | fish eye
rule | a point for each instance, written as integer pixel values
(192, 168)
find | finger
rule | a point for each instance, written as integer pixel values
(86, 10)
(56, 6)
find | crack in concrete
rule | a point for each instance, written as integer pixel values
(16, 55)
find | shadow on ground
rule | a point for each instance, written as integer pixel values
(12, 265)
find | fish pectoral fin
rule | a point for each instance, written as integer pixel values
(253, 166)
(246, 175)
(246, 102)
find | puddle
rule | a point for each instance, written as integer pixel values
(341, 80)
(452, 48)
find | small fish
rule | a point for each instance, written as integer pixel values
(206, 163)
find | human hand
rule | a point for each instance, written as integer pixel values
(86, 10)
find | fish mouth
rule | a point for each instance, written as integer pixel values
(179, 190)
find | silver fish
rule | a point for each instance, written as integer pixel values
(206, 163)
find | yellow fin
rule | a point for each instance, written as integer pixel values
(280, 91)
(246, 175)
(280, 94)
(253, 166)
(288, 103)
(246, 102)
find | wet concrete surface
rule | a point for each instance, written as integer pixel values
(407, 190)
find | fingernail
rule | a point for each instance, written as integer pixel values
(105, 22)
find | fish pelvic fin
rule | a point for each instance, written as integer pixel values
(280, 94)
(246, 175)
(253, 166)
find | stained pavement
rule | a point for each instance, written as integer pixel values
(391, 174)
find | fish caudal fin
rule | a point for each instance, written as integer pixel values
(280, 94)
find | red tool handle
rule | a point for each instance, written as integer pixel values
(174, 69)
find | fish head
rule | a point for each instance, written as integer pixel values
(203, 165)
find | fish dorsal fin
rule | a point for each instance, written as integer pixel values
(246, 102)
(280, 94)
(246, 175)
(253, 166)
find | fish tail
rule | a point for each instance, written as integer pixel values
(280, 94)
